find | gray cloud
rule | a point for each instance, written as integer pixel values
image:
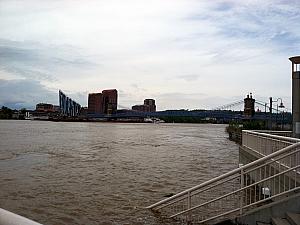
(26, 93)
(35, 61)
(179, 100)
(224, 6)
(253, 25)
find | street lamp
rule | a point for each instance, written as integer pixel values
(280, 106)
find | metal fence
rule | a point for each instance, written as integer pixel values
(266, 181)
(266, 143)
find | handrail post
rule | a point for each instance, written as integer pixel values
(242, 192)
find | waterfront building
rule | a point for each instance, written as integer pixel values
(149, 106)
(141, 108)
(110, 101)
(95, 103)
(103, 103)
(67, 106)
(56, 108)
(44, 107)
(84, 111)
(43, 111)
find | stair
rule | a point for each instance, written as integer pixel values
(293, 218)
(290, 219)
(280, 221)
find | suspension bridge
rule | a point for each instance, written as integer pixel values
(260, 106)
(225, 113)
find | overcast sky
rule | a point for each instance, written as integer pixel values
(186, 54)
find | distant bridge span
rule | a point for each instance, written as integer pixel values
(258, 103)
(219, 115)
(222, 113)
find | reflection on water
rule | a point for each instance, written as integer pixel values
(104, 173)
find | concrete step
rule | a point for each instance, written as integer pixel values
(293, 218)
(280, 221)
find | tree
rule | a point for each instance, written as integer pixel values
(5, 113)
(23, 111)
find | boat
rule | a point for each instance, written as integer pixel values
(153, 120)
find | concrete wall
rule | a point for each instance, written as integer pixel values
(247, 156)
(265, 215)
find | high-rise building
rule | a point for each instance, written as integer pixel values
(103, 103)
(67, 106)
(110, 101)
(95, 103)
(149, 106)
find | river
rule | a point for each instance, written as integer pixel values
(59, 173)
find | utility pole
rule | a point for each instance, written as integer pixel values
(270, 118)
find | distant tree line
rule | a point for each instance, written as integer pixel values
(247, 125)
(7, 113)
(234, 129)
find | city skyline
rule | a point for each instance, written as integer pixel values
(183, 53)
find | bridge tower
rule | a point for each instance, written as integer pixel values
(296, 95)
(249, 103)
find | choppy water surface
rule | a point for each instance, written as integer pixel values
(104, 173)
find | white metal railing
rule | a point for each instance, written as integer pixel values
(284, 133)
(9, 218)
(264, 143)
(267, 180)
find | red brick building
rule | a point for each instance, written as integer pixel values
(95, 103)
(110, 101)
(44, 107)
(149, 106)
(103, 103)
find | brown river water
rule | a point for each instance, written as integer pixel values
(60, 173)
